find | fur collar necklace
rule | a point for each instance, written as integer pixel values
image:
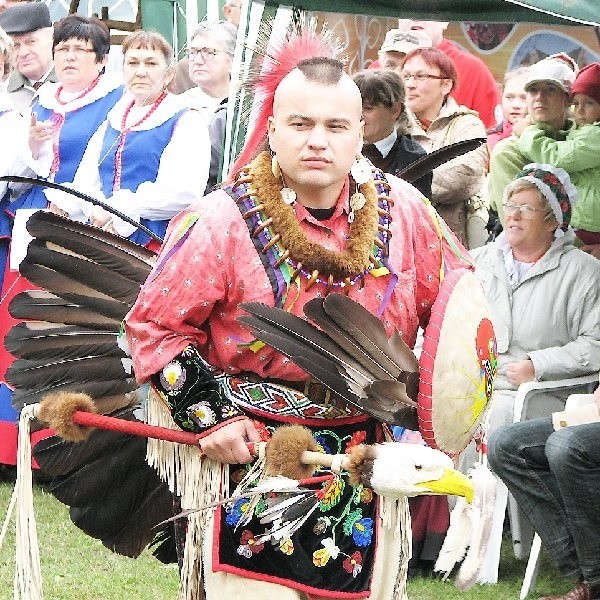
(286, 231)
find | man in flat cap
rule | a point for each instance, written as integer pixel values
(30, 27)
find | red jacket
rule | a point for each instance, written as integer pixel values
(477, 88)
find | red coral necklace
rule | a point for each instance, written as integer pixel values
(124, 131)
(58, 120)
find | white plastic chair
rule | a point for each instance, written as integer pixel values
(533, 564)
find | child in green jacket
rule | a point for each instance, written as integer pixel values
(579, 155)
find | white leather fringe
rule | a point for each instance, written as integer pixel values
(197, 480)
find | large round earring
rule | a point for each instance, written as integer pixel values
(275, 167)
(360, 170)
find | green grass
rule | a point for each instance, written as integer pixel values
(77, 567)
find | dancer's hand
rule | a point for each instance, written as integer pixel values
(228, 443)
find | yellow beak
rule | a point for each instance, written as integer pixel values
(451, 483)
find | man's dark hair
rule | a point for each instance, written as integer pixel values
(88, 29)
(380, 87)
(323, 70)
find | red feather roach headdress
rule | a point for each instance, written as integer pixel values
(281, 56)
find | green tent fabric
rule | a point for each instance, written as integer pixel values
(535, 11)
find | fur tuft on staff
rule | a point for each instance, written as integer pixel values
(360, 468)
(284, 452)
(57, 411)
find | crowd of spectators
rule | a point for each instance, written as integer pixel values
(128, 142)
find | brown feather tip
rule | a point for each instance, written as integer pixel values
(285, 449)
(57, 411)
(360, 468)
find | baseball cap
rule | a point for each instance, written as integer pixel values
(559, 69)
(404, 41)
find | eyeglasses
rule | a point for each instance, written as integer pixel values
(76, 50)
(525, 210)
(421, 76)
(205, 53)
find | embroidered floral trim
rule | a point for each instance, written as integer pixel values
(353, 564)
(202, 414)
(249, 545)
(173, 376)
(344, 529)
(193, 395)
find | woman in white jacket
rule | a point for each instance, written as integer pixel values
(544, 293)
(150, 158)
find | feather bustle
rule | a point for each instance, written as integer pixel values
(78, 268)
(52, 227)
(43, 306)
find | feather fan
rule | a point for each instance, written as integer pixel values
(346, 356)
(429, 162)
(286, 325)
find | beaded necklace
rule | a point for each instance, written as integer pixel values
(277, 234)
(59, 119)
(83, 92)
(124, 131)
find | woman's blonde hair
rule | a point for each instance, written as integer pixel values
(6, 51)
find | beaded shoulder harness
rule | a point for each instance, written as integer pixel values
(292, 257)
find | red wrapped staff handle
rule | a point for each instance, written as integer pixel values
(290, 453)
(87, 419)
(139, 429)
(72, 416)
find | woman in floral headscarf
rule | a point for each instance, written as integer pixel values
(545, 299)
(544, 293)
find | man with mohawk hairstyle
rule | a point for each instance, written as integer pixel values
(305, 218)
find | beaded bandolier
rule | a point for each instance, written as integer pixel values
(288, 256)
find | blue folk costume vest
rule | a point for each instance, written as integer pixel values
(8, 415)
(77, 129)
(5, 220)
(140, 160)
